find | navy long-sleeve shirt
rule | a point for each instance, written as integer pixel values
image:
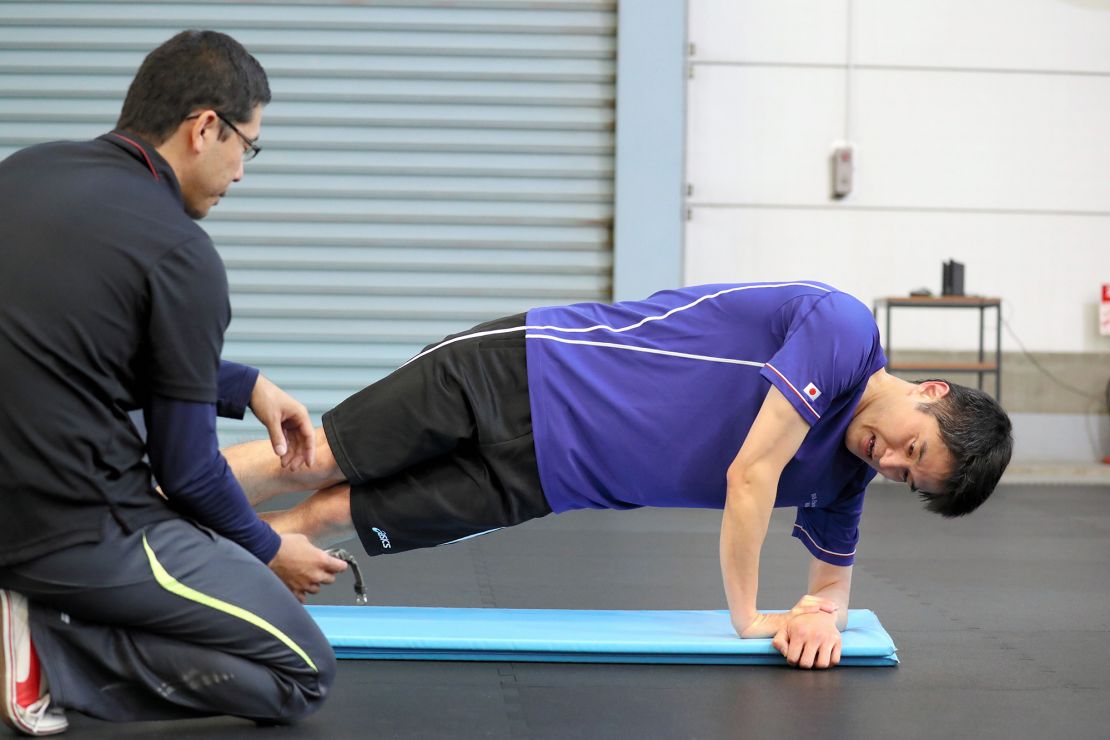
(193, 474)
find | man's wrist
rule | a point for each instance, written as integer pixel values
(763, 624)
(257, 387)
(812, 602)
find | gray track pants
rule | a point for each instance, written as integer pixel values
(170, 622)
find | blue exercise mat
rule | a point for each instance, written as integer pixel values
(571, 636)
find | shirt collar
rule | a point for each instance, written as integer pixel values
(146, 155)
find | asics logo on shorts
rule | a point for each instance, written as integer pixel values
(383, 537)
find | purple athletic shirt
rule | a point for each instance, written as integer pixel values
(646, 403)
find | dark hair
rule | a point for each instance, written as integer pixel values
(194, 69)
(977, 432)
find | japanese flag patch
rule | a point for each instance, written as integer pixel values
(811, 392)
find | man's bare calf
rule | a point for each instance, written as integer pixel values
(262, 477)
(324, 517)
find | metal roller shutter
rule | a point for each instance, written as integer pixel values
(426, 165)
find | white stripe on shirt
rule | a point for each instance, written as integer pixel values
(650, 350)
(828, 552)
(602, 327)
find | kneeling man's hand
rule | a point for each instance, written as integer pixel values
(287, 421)
(303, 567)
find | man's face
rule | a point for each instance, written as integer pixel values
(902, 443)
(219, 164)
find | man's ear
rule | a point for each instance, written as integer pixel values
(933, 389)
(202, 131)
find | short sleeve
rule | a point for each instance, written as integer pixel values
(831, 345)
(831, 533)
(189, 312)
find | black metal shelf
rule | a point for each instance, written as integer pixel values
(981, 368)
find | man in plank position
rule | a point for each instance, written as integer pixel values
(742, 397)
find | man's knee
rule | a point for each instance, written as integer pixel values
(327, 668)
(312, 689)
(325, 470)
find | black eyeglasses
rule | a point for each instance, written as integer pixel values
(251, 148)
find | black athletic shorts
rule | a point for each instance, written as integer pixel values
(442, 449)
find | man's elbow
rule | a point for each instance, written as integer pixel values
(743, 481)
(738, 477)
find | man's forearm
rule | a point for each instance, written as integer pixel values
(195, 478)
(743, 529)
(234, 389)
(752, 483)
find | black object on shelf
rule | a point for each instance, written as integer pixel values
(952, 278)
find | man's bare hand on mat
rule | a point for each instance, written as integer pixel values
(809, 639)
(769, 624)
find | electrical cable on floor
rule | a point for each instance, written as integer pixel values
(1091, 412)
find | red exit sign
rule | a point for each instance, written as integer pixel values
(1104, 314)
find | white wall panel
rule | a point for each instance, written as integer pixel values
(1047, 269)
(798, 32)
(943, 140)
(924, 139)
(1047, 35)
(762, 134)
